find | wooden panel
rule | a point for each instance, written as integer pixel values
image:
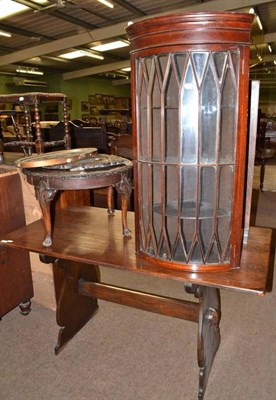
(90, 235)
(15, 270)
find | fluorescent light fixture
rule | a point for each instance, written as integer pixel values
(6, 34)
(106, 3)
(80, 53)
(30, 71)
(110, 46)
(9, 7)
(259, 22)
(269, 48)
(252, 11)
(127, 69)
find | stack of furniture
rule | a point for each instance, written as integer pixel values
(34, 99)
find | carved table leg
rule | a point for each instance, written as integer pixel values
(25, 307)
(110, 208)
(45, 195)
(73, 309)
(124, 187)
(208, 331)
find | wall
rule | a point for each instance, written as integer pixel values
(76, 89)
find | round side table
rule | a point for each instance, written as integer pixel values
(96, 172)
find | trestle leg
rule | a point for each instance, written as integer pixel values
(73, 309)
(208, 331)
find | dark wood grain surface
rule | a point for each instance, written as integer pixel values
(90, 235)
(15, 270)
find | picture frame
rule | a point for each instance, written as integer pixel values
(85, 106)
(122, 103)
(93, 110)
(111, 101)
(69, 103)
(106, 101)
(99, 99)
(92, 99)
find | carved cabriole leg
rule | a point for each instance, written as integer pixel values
(73, 309)
(208, 331)
(124, 187)
(45, 195)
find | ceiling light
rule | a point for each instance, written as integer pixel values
(6, 34)
(110, 46)
(80, 53)
(252, 11)
(106, 3)
(127, 69)
(9, 7)
(259, 22)
(31, 71)
(93, 55)
(269, 48)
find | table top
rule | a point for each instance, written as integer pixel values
(90, 235)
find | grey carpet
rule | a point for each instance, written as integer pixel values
(127, 354)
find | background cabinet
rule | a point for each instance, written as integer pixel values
(16, 286)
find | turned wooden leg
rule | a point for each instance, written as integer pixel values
(124, 187)
(1, 151)
(208, 331)
(25, 307)
(45, 195)
(73, 309)
(39, 142)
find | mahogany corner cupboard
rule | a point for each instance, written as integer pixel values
(190, 78)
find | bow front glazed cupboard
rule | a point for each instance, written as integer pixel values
(190, 98)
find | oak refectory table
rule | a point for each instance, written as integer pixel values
(86, 237)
